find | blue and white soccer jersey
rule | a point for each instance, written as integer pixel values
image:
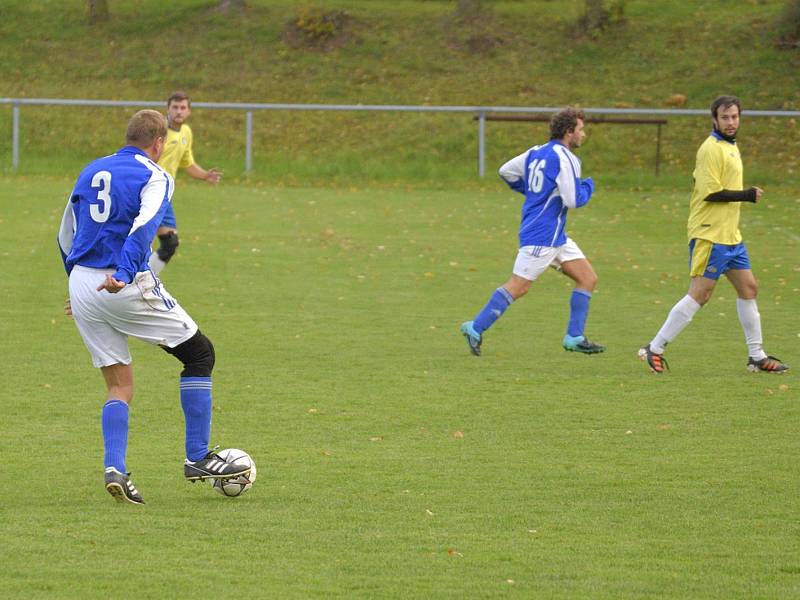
(549, 178)
(110, 218)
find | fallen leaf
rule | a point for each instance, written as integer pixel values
(376, 438)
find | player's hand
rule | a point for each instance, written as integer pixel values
(213, 176)
(111, 285)
(759, 193)
(68, 307)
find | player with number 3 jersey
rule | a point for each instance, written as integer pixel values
(111, 216)
(549, 176)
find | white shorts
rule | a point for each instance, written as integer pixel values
(142, 309)
(533, 260)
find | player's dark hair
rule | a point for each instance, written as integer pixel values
(178, 97)
(564, 121)
(725, 102)
(144, 127)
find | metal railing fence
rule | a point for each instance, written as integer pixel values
(479, 112)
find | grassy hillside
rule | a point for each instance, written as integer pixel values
(521, 53)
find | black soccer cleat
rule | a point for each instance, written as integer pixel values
(121, 487)
(212, 467)
(770, 364)
(656, 362)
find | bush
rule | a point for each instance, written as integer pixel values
(316, 28)
(789, 26)
(600, 14)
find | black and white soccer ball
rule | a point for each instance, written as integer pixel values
(236, 486)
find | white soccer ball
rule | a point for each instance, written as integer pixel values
(235, 486)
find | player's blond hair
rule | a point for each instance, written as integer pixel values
(144, 127)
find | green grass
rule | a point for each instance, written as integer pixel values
(399, 52)
(335, 316)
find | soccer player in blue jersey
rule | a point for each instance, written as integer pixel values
(549, 176)
(110, 218)
(715, 242)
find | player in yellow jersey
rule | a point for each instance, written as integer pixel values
(177, 154)
(715, 243)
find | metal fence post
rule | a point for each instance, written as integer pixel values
(14, 136)
(248, 156)
(481, 143)
(658, 150)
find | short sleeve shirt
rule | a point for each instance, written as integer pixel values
(177, 152)
(718, 167)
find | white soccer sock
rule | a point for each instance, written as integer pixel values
(156, 264)
(678, 318)
(750, 319)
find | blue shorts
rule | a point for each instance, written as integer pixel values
(710, 260)
(169, 218)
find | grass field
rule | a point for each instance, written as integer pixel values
(391, 462)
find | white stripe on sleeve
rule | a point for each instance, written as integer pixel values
(568, 174)
(514, 169)
(66, 232)
(153, 193)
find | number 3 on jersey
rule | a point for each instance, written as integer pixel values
(101, 210)
(536, 175)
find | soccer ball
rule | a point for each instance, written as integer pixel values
(236, 486)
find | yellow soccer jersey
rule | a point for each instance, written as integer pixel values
(177, 150)
(718, 167)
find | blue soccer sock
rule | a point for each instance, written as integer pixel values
(115, 434)
(501, 299)
(196, 404)
(578, 311)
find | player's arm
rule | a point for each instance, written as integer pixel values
(211, 176)
(513, 172)
(749, 195)
(574, 191)
(66, 232)
(154, 199)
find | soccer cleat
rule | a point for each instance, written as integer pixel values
(213, 466)
(121, 487)
(656, 362)
(474, 339)
(770, 364)
(580, 343)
